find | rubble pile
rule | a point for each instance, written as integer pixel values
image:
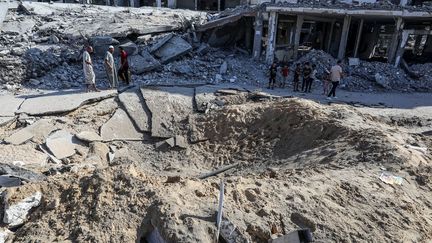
(320, 58)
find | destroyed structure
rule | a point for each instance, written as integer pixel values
(149, 162)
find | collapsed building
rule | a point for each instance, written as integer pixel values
(285, 31)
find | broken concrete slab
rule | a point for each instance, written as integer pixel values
(23, 155)
(88, 136)
(18, 28)
(60, 144)
(160, 43)
(205, 95)
(98, 154)
(21, 173)
(168, 116)
(37, 131)
(65, 101)
(172, 49)
(101, 44)
(130, 47)
(181, 141)
(143, 63)
(16, 213)
(9, 105)
(133, 102)
(120, 127)
(6, 120)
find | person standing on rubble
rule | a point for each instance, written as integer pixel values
(124, 66)
(311, 79)
(89, 75)
(307, 71)
(336, 74)
(297, 75)
(285, 72)
(273, 73)
(110, 68)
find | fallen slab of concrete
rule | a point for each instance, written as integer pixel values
(61, 144)
(173, 49)
(9, 105)
(89, 136)
(38, 130)
(61, 102)
(6, 120)
(120, 127)
(23, 155)
(133, 102)
(21, 173)
(169, 107)
(143, 63)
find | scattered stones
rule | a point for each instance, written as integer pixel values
(60, 144)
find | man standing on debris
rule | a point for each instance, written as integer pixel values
(124, 66)
(285, 72)
(110, 69)
(273, 73)
(307, 71)
(335, 77)
(89, 75)
(297, 75)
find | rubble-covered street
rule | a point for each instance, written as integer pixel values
(153, 160)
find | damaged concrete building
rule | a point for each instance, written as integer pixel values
(283, 32)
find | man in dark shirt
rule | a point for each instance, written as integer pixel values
(307, 71)
(124, 66)
(273, 73)
(297, 75)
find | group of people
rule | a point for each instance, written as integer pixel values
(110, 68)
(307, 73)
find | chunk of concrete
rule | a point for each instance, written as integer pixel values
(98, 154)
(16, 213)
(204, 96)
(60, 144)
(173, 49)
(89, 136)
(160, 43)
(143, 63)
(120, 127)
(5, 234)
(38, 131)
(223, 68)
(4, 120)
(65, 101)
(20, 173)
(170, 108)
(133, 102)
(130, 48)
(18, 28)
(9, 181)
(23, 155)
(101, 43)
(181, 141)
(9, 105)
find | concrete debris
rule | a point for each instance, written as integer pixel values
(181, 142)
(5, 234)
(23, 155)
(223, 68)
(173, 49)
(61, 144)
(10, 105)
(98, 154)
(20, 173)
(142, 63)
(8, 181)
(296, 236)
(89, 136)
(16, 214)
(6, 120)
(167, 117)
(101, 44)
(37, 131)
(19, 137)
(120, 127)
(65, 102)
(160, 42)
(130, 48)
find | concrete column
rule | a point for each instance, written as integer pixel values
(358, 38)
(401, 48)
(196, 5)
(298, 28)
(159, 3)
(257, 45)
(391, 52)
(172, 3)
(4, 8)
(248, 36)
(329, 41)
(219, 5)
(132, 3)
(272, 31)
(344, 37)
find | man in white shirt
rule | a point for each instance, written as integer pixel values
(89, 74)
(336, 74)
(110, 69)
